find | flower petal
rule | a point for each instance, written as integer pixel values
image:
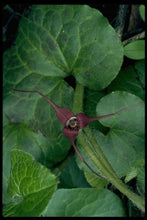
(83, 120)
(70, 134)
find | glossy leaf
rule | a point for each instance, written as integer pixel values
(31, 186)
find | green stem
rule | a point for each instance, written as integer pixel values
(96, 154)
(78, 99)
(108, 174)
(99, 152)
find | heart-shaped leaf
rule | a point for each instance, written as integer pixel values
(123, 145)
(62, 40)
(53, 43)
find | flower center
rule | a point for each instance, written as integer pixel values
(73, 123)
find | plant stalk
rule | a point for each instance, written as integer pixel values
(96, 154)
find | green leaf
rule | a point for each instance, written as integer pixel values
(101, 54)
(55, 40)
(137, 171)
(141, 181)
(135, 50)
(140, 69)
(131, 174)
(84, 203)
(91, 99)
(33, 111)
(124, 143)
(51, 45)
(130, 79)
(72, 176)
(19, 136)
(142, 12)
(46, 151)
(31, 186)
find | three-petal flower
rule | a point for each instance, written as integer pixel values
(73, 123)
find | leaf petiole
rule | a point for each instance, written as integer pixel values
(99, 159)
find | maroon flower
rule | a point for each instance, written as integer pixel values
(73, 123)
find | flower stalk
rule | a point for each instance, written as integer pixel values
(73, 123)
(99, 158)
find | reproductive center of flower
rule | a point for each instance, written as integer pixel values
(73, 123)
